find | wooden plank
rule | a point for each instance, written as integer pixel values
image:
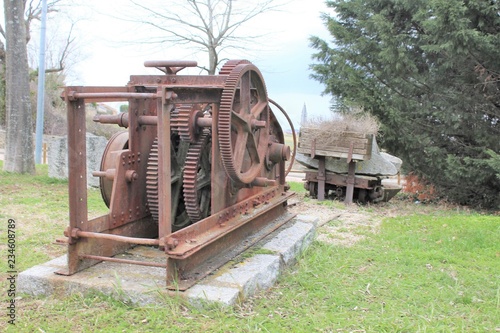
(338, 145)
(342, 142)
(307, 150)
(349, 134)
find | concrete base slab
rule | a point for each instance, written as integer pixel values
(255, 270)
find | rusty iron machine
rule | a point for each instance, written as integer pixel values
(199, 172)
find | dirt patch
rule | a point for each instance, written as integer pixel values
(342, 227)
(323, 213)
(348, 229)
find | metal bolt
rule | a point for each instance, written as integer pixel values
(172, 243)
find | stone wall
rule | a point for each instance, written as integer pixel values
(58, 157)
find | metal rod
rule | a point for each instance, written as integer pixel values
(41, 86)
(112, 95)
(204, 122)
(119, 119)
(170, 63)
(147, 120)
(132, 240)
(124, 261)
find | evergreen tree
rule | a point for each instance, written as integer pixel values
(429, 70)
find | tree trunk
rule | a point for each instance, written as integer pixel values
(19, 135)
(213, 60)
(2, 84)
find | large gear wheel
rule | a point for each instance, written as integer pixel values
(230, 64)
(152, 181)
(243, 123)
(179, 218)
(197, 178)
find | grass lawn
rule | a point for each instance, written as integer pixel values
(427, 269)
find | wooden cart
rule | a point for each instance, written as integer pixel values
(351, 146)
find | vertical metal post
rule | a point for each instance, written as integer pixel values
(41, 86)
(77, 174)
(165, 106)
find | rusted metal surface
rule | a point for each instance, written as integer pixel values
(198, 171)
(193, 238)
(203, 262)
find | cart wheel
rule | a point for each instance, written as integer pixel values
(362, 195)
(313, 190)
(340, 192)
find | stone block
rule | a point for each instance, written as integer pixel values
(58, 157)
(256, 273)
(290, 242)
(201, 293)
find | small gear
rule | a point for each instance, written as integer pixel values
(186, 122)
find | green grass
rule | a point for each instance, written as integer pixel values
(39, 205)
(297, 187)
(289, 139)
(429, 269)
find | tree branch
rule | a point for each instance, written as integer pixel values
(64, 54)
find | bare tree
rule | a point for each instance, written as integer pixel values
(208, 25)
(34, 13)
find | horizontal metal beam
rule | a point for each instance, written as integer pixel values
(115, 96)
(191, 239)
(124, 261)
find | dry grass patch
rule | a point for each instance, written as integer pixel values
(324, 127)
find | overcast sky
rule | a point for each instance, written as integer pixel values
(283, 56)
